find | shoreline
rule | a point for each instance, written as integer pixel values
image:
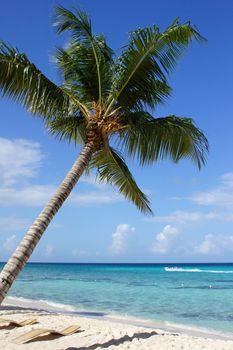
(99, 333)
(53, 308)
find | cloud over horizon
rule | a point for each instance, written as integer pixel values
(164, 240)
(120, 238)
(215, 244)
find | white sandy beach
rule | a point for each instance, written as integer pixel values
(100, 334)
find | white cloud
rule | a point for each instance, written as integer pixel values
(10, 243)
(218, 197)
(120, 238)
(227, 180)
(12, 223)
(92, 180)
(90, 198)
(80, 253)
(214, 244)
(49, 250)
(34, 195)
(165, 239)
(221, 196)
(183, 217)
(19, 160)
(38, 195)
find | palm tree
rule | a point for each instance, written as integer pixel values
(103, 103)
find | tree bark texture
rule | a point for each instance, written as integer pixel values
(24, 250)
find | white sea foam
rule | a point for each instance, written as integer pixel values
(180, 269)
(40, 304)
(197, 331)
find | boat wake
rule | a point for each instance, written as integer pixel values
(180, 269)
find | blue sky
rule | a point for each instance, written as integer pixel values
(193, 210)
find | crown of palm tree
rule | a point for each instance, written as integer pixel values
(108, 100)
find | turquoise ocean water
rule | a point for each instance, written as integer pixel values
(195, 295)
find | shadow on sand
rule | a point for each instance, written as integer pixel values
(116, 342)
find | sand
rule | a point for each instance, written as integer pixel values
(100, 334)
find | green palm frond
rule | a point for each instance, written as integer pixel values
(110, 97)
(149, 57)
(72, 128)
(88, 58)
(23, 82)
(113, 169)
(170, 137)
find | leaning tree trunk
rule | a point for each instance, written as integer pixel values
(23, 252)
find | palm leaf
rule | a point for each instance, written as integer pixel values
(23, 82)
(112, 168)
(88, 57)
(149, 57)
(171, 137)
(72, 128)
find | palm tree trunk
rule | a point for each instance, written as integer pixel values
(24, 250)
